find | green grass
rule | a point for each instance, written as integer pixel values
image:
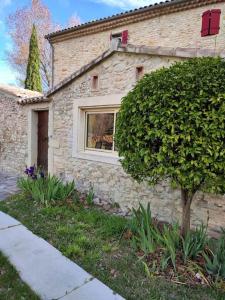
(11, 286)
(93, 239)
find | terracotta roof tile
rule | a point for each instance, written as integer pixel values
(18, 92)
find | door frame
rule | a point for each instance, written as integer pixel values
(32, 112)
(42, 143)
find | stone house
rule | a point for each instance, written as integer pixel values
(70, 128)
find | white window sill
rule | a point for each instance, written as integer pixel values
(103, 157)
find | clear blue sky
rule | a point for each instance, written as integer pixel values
(61, 11)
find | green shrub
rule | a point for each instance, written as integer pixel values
(46, 191)
(90, 197)
(141, 217)
(215, 261)
(171, 242)
(168, 241)
(145, 233)
(194, 243)
(171, 125)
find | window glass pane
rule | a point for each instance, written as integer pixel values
(100, 131)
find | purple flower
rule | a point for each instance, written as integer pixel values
(26, 171)
(30, 171)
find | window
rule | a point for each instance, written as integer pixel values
(116, 36)
(139, 72)
(210, 22)
(100, 130)
(121, 36)
(94, 82)
(94, 121)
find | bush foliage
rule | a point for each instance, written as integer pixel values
(47, 190)
(175, 119)
(171, 125)
(164, 241)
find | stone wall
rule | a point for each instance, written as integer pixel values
(180, 29)
(13, 134)
(117, 74)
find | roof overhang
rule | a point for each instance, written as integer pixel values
(18, 92)
(128, 17)
(33, 100)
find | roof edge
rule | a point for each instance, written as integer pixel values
(128, 17)
(33, 100)
(18, 92)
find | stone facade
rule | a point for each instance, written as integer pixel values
(116, 75)
(169, 37)
(13, 134)
(179, 29)
(14, 128)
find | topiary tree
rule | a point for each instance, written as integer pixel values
(33, 77)
(172, 125)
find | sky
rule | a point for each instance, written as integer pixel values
(61, 11)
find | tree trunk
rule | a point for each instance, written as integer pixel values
(186, 199)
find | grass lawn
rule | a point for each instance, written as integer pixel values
(93, 239)
(11, 286)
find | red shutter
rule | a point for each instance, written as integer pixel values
(205, 23)
(124, 37)
(215, 21)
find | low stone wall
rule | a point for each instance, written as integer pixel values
(111, 184)
(13, 135)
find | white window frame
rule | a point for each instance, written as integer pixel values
(106, 103)
(113, 111)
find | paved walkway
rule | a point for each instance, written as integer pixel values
(7, 185)
(50, 274)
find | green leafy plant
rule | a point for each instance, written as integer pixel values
(215, 259)
(90, 196)
(46, 191)
(194, 243)
(171, 241)
(175, 119)
(147, 236)
(73, 250)
(145, 241)
(141, 216)
(150, 272)
(145, 233)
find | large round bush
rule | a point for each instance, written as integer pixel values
(171, 125)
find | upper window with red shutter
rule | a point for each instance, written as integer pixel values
(211, 22)
(121, 36)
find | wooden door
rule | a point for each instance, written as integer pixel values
(42, 154)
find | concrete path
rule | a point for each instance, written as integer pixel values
(50, 274)
(7, 185)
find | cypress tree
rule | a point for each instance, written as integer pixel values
(33, 77)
